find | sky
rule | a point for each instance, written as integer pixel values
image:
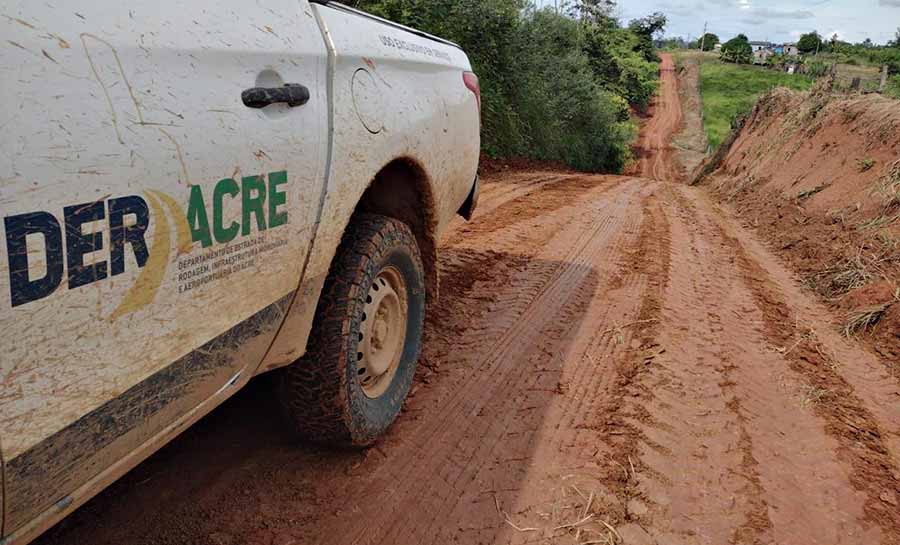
(771, 20)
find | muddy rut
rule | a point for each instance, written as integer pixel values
(615, 360)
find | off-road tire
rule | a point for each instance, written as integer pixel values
(321, 396)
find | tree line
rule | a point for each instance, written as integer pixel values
(738, 49)
(557, 84)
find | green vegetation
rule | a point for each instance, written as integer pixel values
(893, 88)
(555, 86)
(737, 50)
(728, 90)
(866, 53)
(810, 43)
(708, 41)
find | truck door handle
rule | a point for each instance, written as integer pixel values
(292, 94)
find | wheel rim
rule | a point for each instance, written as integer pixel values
(382, 332)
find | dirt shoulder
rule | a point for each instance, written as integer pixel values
(818, 177)
(690, 141)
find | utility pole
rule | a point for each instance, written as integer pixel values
(703, 39)
(884, 79)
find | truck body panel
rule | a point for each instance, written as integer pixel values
(417, 108)
(163, 241)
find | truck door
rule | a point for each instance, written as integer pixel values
(161, 169)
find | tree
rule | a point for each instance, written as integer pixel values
(737, 50)
(708, 41)
(810, 43)
(896, 42)
(834, 43)
(645, 29)
(592, 10)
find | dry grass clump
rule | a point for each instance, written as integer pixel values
(845, 276)
(803, 195)
(851, 273)
(889, 186)
(866, 319)
(889, 189)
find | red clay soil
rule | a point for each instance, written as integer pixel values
(818, 176)
(614, 360)
(655, 157)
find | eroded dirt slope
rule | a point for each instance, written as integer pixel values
(817, 175)
(616, 360)
(690, 143)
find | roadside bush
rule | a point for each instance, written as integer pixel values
(553, 87)
(568, 116)
(737, 50)
(616, 57)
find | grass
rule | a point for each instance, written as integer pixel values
(889, 189)
(865, 320)
(847, 275)
(728, 90)
(866, 165)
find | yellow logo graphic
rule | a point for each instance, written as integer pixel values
(144, 289)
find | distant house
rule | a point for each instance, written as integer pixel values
(717, 47)
(788, 50)
(761, 56)
(762, 46)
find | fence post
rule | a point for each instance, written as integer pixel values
(832, 77)
(884, 78)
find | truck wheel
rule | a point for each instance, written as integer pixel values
(365, 341)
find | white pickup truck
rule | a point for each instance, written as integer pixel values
(194, 193)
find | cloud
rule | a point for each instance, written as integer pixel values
(684, 10)
(889, 3)
(767, 13)
(758, 15)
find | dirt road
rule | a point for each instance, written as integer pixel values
(655, 154)
(616, 360)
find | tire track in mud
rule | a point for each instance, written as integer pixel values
(625, 409)
(464, 269)
(590, 443)
(577, 382)
(702, 371)
(657, 159)
(786, 470)
(874, 470)
(448, 457)
(696, 438)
